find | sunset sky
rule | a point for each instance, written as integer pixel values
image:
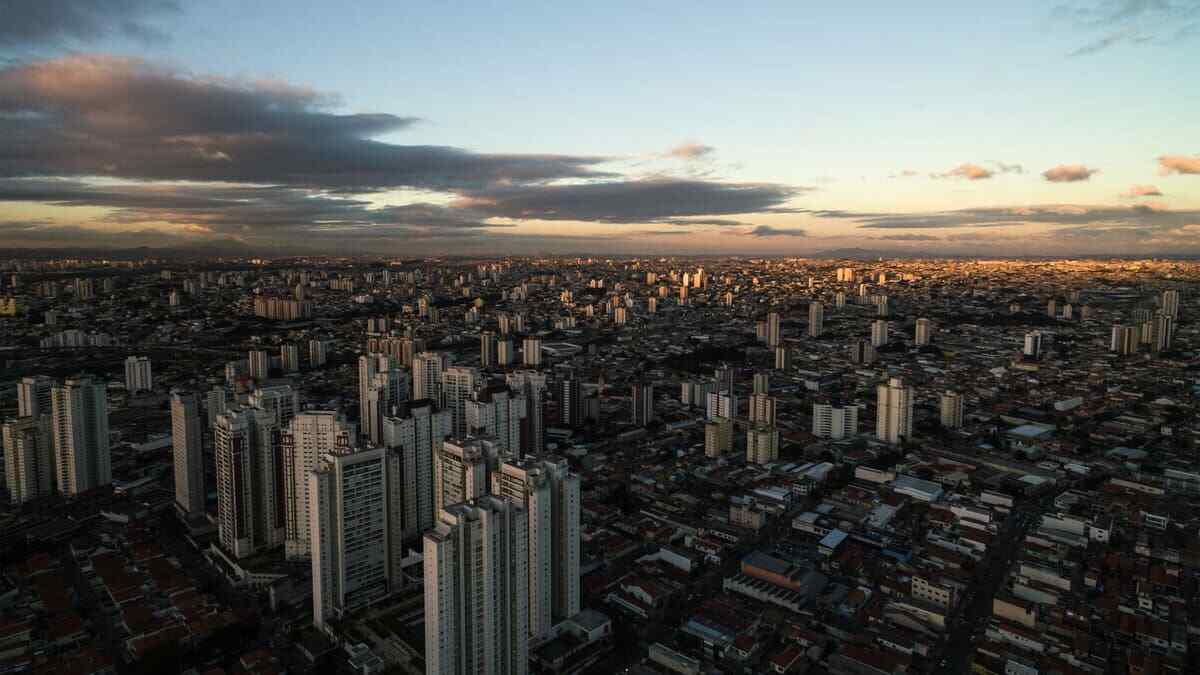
(404, 128)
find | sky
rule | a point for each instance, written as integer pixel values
(787, 128)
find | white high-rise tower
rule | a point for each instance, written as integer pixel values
(893, 419)
(186, 445)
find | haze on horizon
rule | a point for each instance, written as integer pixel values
(941, 128)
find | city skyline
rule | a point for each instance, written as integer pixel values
(1023, 129)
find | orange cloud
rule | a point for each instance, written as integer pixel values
(1068, 173)
(1142, 191)
(1169, 164)
(967, 171)
(691, 151)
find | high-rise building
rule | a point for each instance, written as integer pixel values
(695, 393)
(33, 396)
(1052, 309)
(652, 305)
(310, 434)
(894, 405)
(497, 412)
(350, 534)
(28, 458)
(839, 300)
(505, 353)
(1125, 339)
(458, 387)
(816, 319)
(289, 358)
(718, 436)
(862, 352)
(460, 472)
(550, 494)
(531, 352)
(138, 376)
(187, 448)
(477, 590)
(879, 333)
(487, 349)
(318, 353)
(531, 384)
(924, 332)
(1033, 344)
(783, 358)
(250, 503)
(952, 410)
(260, 365)
(762, 409)
(642, 400)
(280, 400)
(79, 425)
(570, 401)
(418, 440)
(1169, 303)
(216, 402)
(762, 382)
(427, 376)
(620, 316)
(721, 404)
(834, 422)
(774, 334)
(1164, 330)
(762, 444)
(383, 388)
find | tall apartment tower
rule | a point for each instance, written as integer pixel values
(924, 332)
(460, 471)
(1052, 309)
(1164, 330)
(33, 396)
(138, 376)
(1169, 302)
(762, 444)
(310, 434)
(28, 458)
(250, 499)
(318, 353)
(531, 385)
(642, 398)
(721, 404)
(783, 358)
(1125, 339)
(350, 534)
(216, 402)
(879, 333)
(476, 590)
(458, 387)
(952, 410)
(289, 358)
(79, 427)
(894, 405)
(497, 412)
(417, 439)
(186, 446)
(834, 422)
(550, 494)
(570, 401)
(531, 352)
(383, 387)
(816, 319)
(427, 376)
(762, 382)
(762, 408)
(1033, 344)
(774, 335)
(487, 349)
(260, 365)
(281, 401)
(862, 352)
(718, 437)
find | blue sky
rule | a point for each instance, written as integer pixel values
(836, 102)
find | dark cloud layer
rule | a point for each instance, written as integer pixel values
(64, 22)
(638, 201)
(1007, 216)
(768, 231)
(109, 116)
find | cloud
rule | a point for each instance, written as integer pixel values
(908, 237)
(768, 231)
(119, 117)
(1001, 167)
(1142, 191)
(967, 171)
(633, 201)
(691, 151)
(65, 22)
(1146, 214)
(661, 233)
(716, 222)
(1068, 173)
(1133, 22)
(1182, 164)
